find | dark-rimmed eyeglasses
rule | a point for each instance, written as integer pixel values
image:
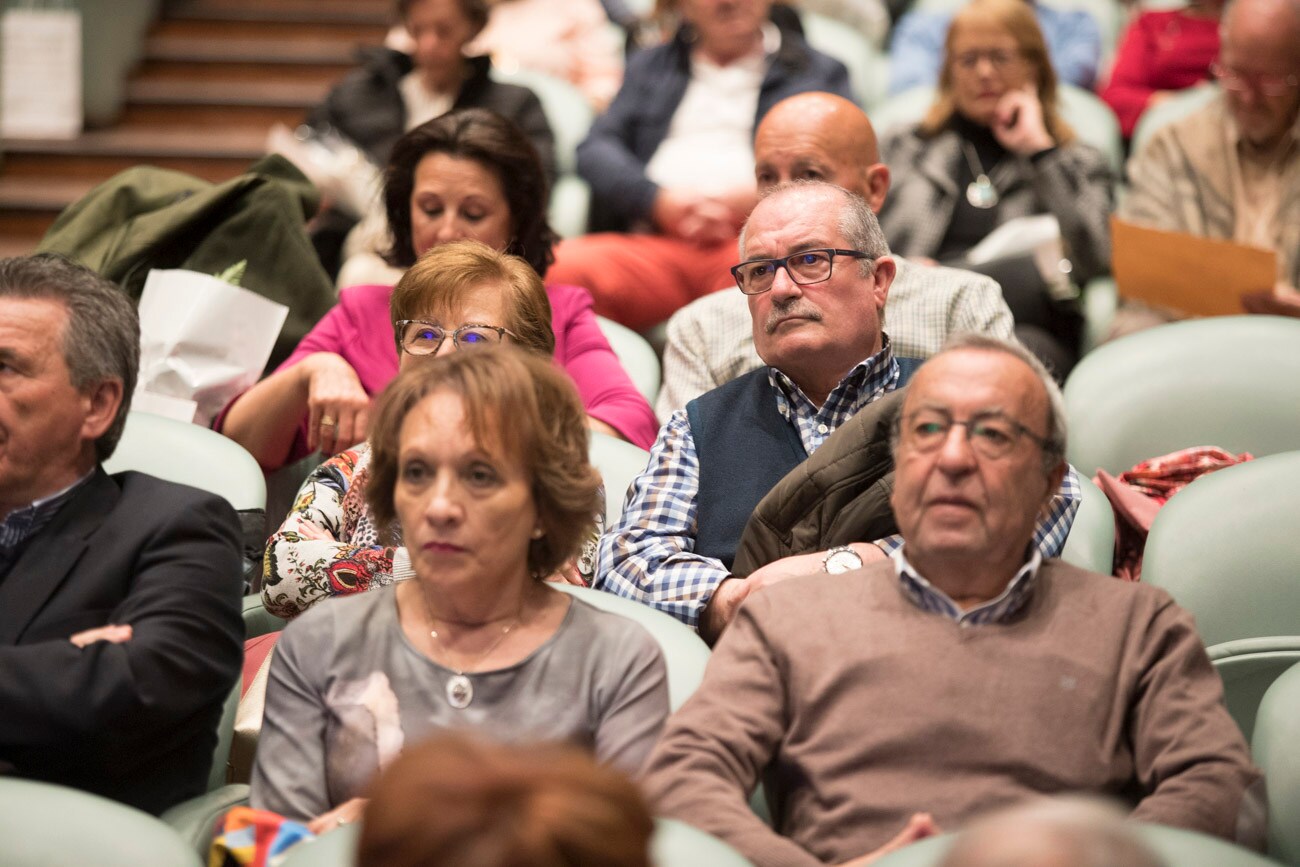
(417, 337)
(806, 267)
(1268, 84)
(991, 434)
(999, 58)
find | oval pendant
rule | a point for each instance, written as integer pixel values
(981, 194)
(460, 691)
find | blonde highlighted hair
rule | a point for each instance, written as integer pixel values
(1017, 18)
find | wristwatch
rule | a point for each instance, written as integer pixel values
(839, 559)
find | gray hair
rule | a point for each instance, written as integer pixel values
(1072, 830)
(857, 223)
(1055, 437)
(101, 340)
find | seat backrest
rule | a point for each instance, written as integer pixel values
(1226, 548)
(1277, 733)
(685, 653)
(868, 68)
(676, 844)
(1228, 381)
(191, 455)
(619, 464)
(1174, 846)
(1172, 109)
(43, 825)
(1091, 543)
(566, 109)
(1247, 674)
(1095, 124)
(636, 355)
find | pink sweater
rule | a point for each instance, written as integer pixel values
(1161, 50)
(359, 329)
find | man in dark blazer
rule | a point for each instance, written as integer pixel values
(120, 628)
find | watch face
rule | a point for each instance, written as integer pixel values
(843, 561)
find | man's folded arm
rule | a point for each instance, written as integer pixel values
(185, 649)
(1189, 755)
(710, 756)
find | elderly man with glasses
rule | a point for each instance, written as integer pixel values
(1232, 169)
(966, 673)
(817, 271)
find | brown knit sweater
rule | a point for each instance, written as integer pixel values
(865, 709)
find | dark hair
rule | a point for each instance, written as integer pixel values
(500, 147)
(475, 12)
(448, 274)
(516, 403)
(101, 339)
(460, 799)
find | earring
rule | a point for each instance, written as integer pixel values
(538, 532)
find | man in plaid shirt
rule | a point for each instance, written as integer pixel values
(817, 271)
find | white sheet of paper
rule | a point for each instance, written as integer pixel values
(202, 339)
(1016, 237)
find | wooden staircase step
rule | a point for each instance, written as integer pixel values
(306, 11)
(242, 73)
(214, 154)
(41, 195)
(193, 115)
(281, 31)
(201, 49)
(228, 92)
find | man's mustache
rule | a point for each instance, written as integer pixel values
(799, 309)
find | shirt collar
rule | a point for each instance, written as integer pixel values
(23, 523)
(1000, 609)
(866, 381)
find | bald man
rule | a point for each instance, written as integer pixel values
(821, 136)
(1232, 169)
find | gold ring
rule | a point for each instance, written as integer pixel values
(328, 421)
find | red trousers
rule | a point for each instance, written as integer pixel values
(641, 280)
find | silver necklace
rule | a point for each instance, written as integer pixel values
(460, 689)
(979, 192)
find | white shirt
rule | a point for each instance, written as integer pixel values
(710, 143)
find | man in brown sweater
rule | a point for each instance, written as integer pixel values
(963, 675)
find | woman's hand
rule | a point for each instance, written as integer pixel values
(343, 814)
(920, 826)
(567, 574)
(338, 407)
(1018, 123)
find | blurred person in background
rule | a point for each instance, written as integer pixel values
(1231, 170)
(992, 147)
(1163, 51)
(917, 47)
(673, 158)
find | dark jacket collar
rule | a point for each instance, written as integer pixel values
(50, 555)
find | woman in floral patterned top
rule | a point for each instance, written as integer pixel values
(459, 295)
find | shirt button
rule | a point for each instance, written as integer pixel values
(821, 429)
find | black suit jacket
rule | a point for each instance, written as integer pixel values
(137, 721)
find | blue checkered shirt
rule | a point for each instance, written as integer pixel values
(649, 555)
(24, 523)
(927, 597)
